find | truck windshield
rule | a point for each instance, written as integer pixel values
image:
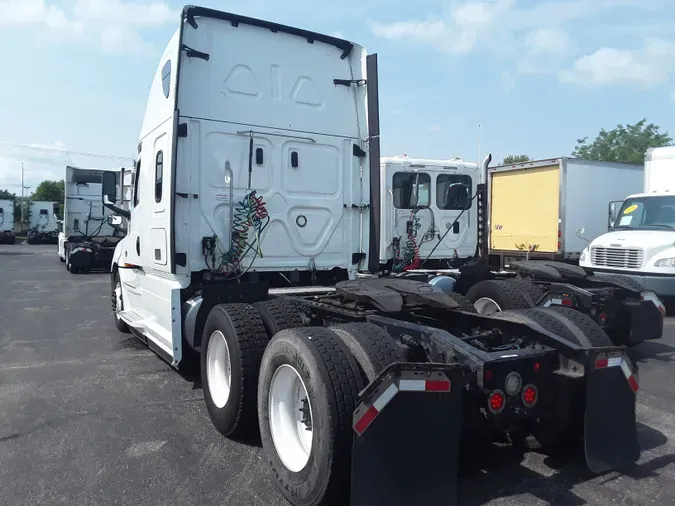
(647, 213)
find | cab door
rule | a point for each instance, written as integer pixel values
(413, 222)
(454, 211)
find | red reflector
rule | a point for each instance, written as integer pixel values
(567, 302)
(633, 383)
(437, 386)
(559, 245)
(366, 420)
(496, 402)
(487, 375)
(530, 396)
(603, 318)
(559, 234)
(601, 363)
(536, 367)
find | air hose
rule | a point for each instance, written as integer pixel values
(249, 219)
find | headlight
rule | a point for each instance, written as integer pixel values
(582, 258)
(665, 262)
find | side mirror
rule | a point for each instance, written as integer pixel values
(580, 234)
(109, 194)
(115, 220)
(56, 209)
(109, 187)
(612, 214)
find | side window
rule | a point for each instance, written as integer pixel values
(453, 192)
(166, 78)
(159, 168)
(411, 189)
(137, 177)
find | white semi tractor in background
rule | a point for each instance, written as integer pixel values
(427, 212)
(7, 235)
(43, 224)
(253, 245)
(90, 231)
(640, 244)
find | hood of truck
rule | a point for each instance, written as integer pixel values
(630, 250)
(642, 239)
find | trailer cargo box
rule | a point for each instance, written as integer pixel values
(537, 208)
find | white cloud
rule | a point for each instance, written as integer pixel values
(458, 34)
(114, 24)
(652, 65)
(533, 36)
(435, 128)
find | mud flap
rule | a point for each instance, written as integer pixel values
(610, 424)
(406, 437)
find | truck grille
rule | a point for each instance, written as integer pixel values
(623, 258)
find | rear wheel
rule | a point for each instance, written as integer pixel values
(233, 344)
(372, 347)
(277, 315)
(491, 296)
(307, 394)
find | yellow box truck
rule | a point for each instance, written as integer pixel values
(552, 208)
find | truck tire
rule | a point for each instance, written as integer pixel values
(118, 303)
(277, 315)
(233, 344)
(372, 347)
(490, 295)
(465, 303)
(572, 325)
(308, 363)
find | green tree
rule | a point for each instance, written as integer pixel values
(5, 195)
(515, 159)
(625, 143)
(50, 191)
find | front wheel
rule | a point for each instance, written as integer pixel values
(307, 391)
(118, 304)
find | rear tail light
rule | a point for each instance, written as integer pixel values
(496, 401)
(530, 395)
(536, 367)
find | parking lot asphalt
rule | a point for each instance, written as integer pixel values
(91, 416)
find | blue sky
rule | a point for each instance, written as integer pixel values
(536, 75)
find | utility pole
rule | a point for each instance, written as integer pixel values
(22, 201)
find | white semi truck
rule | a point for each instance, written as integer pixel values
(90, 231)
(427, 212)
(253, 246)
(43, 225)
(640, 244)
(7, 222)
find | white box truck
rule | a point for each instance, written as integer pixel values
(43, 224)
(550, 209)
(7, 222)
(641, 242)
(90, 231)
(253, 246)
